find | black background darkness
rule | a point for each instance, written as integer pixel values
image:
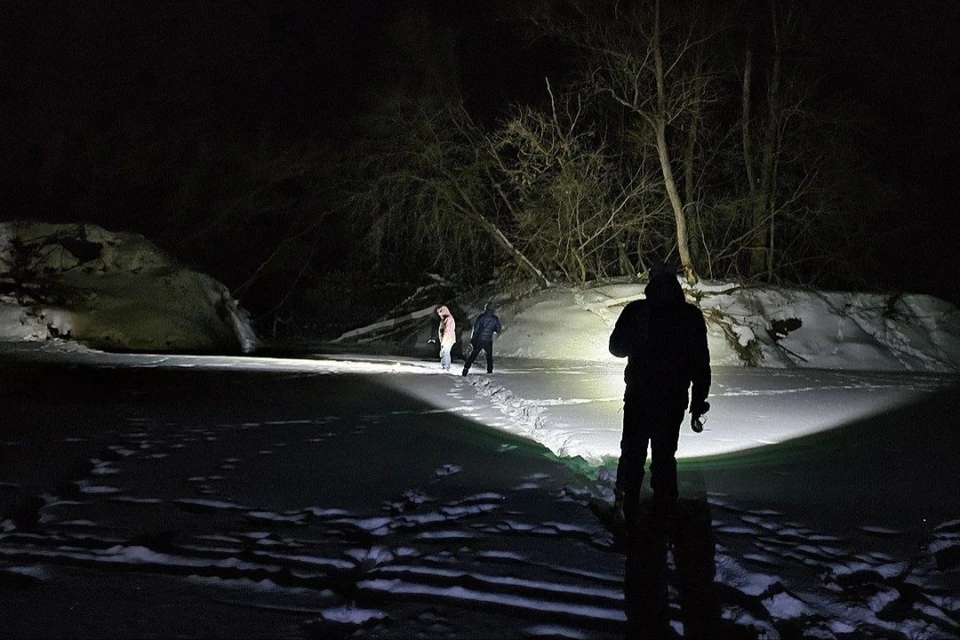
(75, 72)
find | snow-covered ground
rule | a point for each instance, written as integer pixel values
(376, 495)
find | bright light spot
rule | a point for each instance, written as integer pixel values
(318, 364)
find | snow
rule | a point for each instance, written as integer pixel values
(838, 330)
(379, 496)
(118, 292)
(773, 327)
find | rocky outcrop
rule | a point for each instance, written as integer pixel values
(112, 291)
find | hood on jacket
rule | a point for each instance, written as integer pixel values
(443, 311)
(663, 289)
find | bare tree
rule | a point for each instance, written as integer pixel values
(652, 67)
(783, 170)
(639, 153)
(761, 172)
(429, 188)
(574, 198)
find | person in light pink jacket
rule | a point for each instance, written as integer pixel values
(447, 334)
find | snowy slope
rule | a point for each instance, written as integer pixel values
(762, 326)
(844, 330)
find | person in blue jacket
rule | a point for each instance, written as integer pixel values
(486, 325)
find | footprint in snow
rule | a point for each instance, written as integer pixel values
(447, 470)
(410, 501)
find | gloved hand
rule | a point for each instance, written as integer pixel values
(697, 410)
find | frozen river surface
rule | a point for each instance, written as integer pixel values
(160, 496)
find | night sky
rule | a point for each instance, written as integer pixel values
(905, 57)
(75, 72)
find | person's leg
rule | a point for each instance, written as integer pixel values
(474, 350)
(488, 350)
(445, 355)
(663, 451)
(633, 457)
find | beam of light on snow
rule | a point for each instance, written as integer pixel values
(320, 364)
(575, 408)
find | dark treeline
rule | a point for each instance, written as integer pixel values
(287, 146)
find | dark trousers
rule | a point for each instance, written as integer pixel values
(487, 346)
(656, 423)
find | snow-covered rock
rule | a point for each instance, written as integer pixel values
(114, 291)
(819, 329)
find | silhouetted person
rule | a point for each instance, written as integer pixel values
(486, 325)
(665, 342)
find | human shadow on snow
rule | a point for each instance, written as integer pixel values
(672, 546)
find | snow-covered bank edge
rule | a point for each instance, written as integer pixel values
(755, 326)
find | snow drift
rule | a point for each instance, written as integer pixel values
(755, 326)
(113, 291)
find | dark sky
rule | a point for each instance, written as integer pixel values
(74, 70)
(905, 57)
(300, 65)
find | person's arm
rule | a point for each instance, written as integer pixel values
(630, 331)
(701, 365)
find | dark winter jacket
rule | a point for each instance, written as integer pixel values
(486, 325)
(665, 342)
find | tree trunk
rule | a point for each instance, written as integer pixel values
(765, 204)
(675, 202)
(660, 127)
(498, 236)
(748, 159)
(689, 187)
(513, 252)
(771, 220)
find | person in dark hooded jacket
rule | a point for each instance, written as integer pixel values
(665, 342)
(486, 325)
